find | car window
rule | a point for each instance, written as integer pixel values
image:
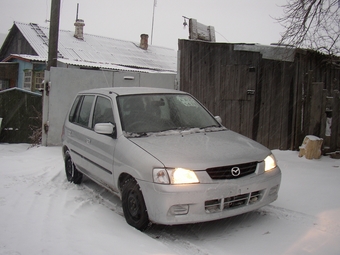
(156, 113)
(85, 110)
(102, 111)
(186, 112)
(74, 108)
(81, 110)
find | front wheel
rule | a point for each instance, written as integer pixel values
(134, 206)
(72, 174)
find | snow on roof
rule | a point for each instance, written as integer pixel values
(21, 90)
(99, 51)
(273, 52)
(25, 57)
(133, 90)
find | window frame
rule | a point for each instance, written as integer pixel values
(38, 78)
(28, 77)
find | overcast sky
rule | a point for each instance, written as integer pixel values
(235, 21)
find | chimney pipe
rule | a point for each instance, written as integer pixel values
(79, 29)
(144, 41)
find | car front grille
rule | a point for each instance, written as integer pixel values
(228, 203)
(231, 172)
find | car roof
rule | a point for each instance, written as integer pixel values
(131, 91)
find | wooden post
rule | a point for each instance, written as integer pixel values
(54, 34)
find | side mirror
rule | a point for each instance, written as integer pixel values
(218, 118)
(105, 128)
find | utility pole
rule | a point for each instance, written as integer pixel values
(153, 17)
(54, 34)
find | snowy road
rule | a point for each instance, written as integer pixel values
(41, 213)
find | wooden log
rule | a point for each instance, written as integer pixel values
(311, 147)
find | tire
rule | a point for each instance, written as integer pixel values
(134, 206)
(72, 174)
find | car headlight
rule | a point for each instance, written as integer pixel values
(174, 176)
(270, 163)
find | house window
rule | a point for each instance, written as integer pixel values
(27, 79)
(4, 84)
(38, 80)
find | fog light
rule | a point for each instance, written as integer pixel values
(179, 209)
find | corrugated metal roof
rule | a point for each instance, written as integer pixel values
(21, 90)
(102, 52)
(27, 57)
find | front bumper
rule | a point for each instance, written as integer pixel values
(192, 203)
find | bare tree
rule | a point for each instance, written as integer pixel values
(313, 24)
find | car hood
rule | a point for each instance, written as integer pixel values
(199, 151)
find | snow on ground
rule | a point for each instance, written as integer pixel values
(41, 213)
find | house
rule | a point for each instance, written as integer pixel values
(84, 61)
(27, 45)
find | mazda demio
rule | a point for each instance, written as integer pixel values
(166, 156)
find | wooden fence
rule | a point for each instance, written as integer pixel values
(20, 111)
(274, 99)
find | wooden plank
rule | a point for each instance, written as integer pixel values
(316, 101)
(335, 129)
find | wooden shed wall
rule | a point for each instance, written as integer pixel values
(273, 102)
(20, 112)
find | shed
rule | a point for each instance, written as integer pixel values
(20, 112)
(273, 94)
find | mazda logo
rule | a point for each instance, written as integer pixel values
(235, 171)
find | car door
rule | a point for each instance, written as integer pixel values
(101, 147)
(78, 130)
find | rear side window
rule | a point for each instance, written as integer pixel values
(81, 109)
(74, 108)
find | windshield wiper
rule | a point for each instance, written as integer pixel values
(210, 126)
(136, 135)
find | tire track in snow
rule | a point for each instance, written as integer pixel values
(182, 242)
(321, 223)
(174, 241)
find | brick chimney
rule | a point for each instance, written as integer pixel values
(144, 41)
(79, 29)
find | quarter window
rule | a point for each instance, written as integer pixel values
(74, 109)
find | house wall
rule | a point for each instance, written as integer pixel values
(16, 43)
(65, 83)
(23, 65)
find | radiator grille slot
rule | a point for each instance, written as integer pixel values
(228, 203)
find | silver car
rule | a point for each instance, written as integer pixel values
(166, 156)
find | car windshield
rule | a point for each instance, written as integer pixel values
(149, 113)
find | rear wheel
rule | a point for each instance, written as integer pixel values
(133, 205)
(72, 174)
